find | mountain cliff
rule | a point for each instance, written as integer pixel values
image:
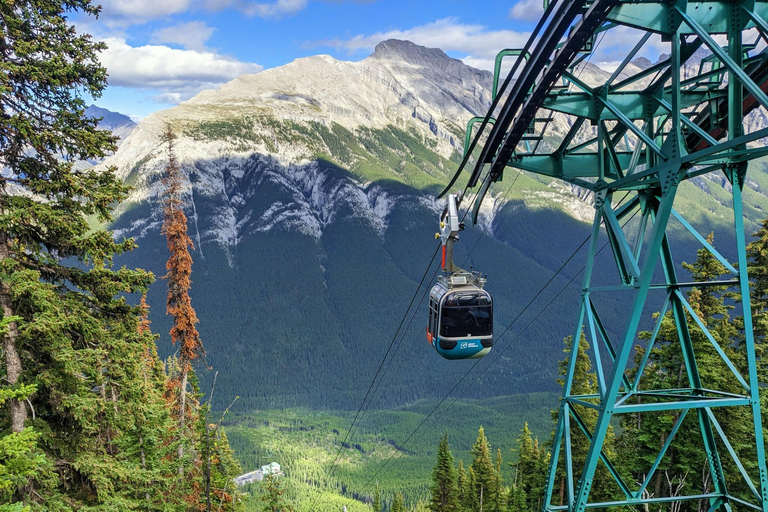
(311, 204)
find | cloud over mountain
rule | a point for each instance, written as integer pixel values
(479, 44)
(181, 73)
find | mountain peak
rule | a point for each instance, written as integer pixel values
(396, 49)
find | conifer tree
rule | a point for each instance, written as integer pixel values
(398, 503)
(43, 118)
(64, 326)
(461, 485)
(444, 492)
(485, 487)
(377, 499)
(518, 500)
(530, 471)
(501, 493)
(470, 498)
(273, 498)
(221, 467)
(179, 266)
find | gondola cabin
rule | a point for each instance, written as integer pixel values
(460, 317)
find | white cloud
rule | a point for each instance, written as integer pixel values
(527, 10)
(179, 74)
(140, 11)
(616, 43)
(274, 9)
(478, 43)
(192, 35)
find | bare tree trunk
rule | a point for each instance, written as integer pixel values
(12, 358)
(182, 410)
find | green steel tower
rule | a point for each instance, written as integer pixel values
(632, 140)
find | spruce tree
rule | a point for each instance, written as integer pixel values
(398, 503)
(486, 486)
(72, 381)
(530, 471)
(219, 465)
(461, 485)
(273, 497)
(501, 492)
(179, 266)
(443, 489)
(377, 499)
(470, 500)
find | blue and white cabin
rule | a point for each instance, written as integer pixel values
(460, 317)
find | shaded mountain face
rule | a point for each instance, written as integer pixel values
(119, 124)
(311, 205)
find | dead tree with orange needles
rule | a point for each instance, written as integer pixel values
(179, 266)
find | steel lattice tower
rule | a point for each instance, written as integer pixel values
(643, 134)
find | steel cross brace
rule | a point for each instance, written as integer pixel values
(645, 134)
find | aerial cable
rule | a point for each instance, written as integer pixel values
(363, 408)
(524, 328)
(456, 385)
(397, 453)
(405, 331)
(415, 311)
(359, 409)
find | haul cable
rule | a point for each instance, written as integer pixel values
(562, 267)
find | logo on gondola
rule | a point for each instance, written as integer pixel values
(464, 345)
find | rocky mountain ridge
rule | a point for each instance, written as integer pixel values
(311, 204)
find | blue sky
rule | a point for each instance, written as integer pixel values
(165, 51)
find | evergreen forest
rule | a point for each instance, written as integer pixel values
(99, 413)
(93, 419)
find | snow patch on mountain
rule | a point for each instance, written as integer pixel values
(309, 196)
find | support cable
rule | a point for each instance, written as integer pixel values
(413, 315)
(368, 392)
(415, 311)
(363, 408)
(466, 374)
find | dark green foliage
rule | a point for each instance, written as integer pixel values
(443, 489)
(398, 503)
(20, 459)
(71, 346)
(273, 498)
(527, 490)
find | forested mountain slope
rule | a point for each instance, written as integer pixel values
(311, 204)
